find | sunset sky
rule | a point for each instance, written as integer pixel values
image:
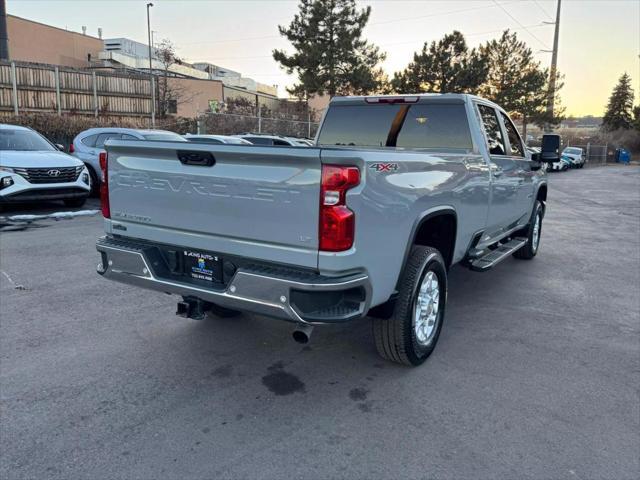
(599, 39)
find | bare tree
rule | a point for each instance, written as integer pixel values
(170, 92)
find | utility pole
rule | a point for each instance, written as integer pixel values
(552, 72)
(4, 33)
(153, 83)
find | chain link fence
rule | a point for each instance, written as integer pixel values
(594, 154)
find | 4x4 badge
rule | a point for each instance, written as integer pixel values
(384, 167)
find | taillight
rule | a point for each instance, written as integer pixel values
(337, 222)
(104, 186)
(72, 148)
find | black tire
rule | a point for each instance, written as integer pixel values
(216, 311)
(75, 202)
(530, 249)
(396, 337)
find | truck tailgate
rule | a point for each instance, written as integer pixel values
(254, 201)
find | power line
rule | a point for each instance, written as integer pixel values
(542, 10)
(516, 20)
(396, 20)
(417, 42)
(477, 34)
(437, 14)
(233, 40)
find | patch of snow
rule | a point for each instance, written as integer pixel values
(55, 216)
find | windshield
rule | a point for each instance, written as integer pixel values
(23, 140)
(572, 150)
(164, 137)
(434, 125)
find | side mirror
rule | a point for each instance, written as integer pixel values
(550, 151)
(60, 147)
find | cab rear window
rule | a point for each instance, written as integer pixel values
(435, 125)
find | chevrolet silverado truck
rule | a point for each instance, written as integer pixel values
(367, 222)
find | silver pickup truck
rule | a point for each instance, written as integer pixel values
(396, 190)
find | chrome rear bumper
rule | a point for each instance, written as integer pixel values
(254, 291)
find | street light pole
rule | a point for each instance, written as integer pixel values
(4, 32)
(153, 84)
(552, 72)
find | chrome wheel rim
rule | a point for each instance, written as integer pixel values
(425, 315)
(536, 233)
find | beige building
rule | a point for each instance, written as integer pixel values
(31, 41)
(196, 95)
(34, 42)
(319, 104)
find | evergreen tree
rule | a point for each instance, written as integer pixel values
(618, 114)
(515, 80)
(536, 110)
(636, 117)
(517, 83)
(444, 66)
(330, 54)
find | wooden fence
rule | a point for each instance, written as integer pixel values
(35, 88)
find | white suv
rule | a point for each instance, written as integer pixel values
(33, 169)
(576, 156)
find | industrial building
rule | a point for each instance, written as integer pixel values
(204, 84)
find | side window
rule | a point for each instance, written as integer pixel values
(260, 140)
(281, 142)
(492, 130)
(204, 140)
(126, 136)
(103, 137)
(90, 141)
(517, 150)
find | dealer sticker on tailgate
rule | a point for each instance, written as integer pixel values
(202, 266)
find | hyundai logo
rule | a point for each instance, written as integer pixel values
(54, 173)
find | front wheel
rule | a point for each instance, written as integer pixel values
(532, 233)
(95, 183)
(411, 334)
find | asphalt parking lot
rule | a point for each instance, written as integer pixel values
(535, 376)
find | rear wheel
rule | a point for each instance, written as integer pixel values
(75, 202)
(532, 233)
(411, 334)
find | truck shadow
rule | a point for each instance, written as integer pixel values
(256, 353)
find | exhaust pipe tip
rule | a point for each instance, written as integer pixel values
(302, 334)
